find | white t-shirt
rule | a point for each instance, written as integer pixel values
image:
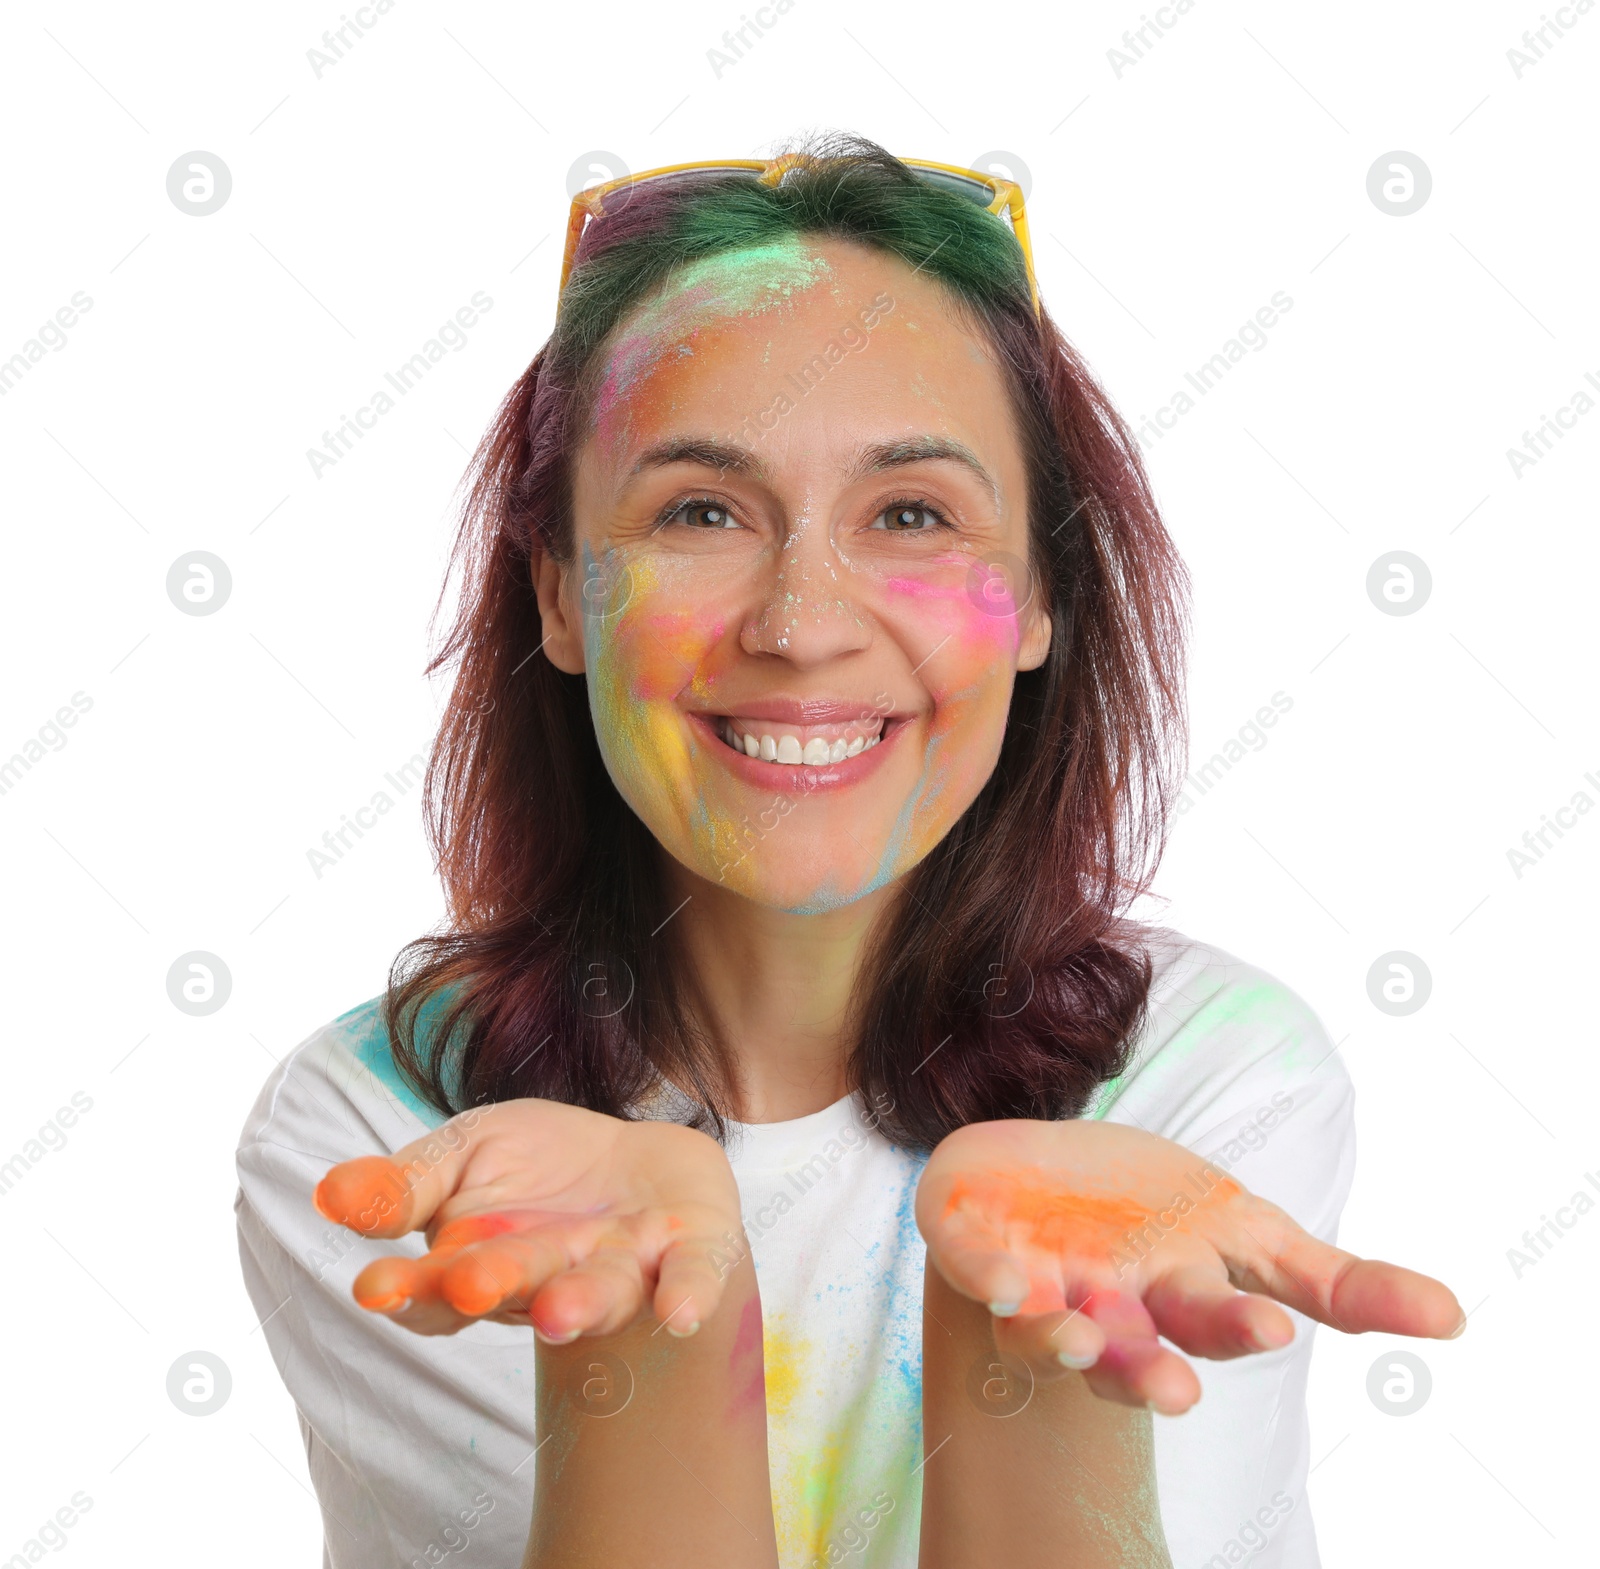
(419, 1446)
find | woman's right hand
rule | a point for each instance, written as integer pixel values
(538, 1210)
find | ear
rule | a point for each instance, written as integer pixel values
(562, 631)
(1037, 628)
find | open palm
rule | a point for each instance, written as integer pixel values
(537, 1210)
(1090, 1241)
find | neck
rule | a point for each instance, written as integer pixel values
(777, 987)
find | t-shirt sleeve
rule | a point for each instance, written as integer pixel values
(410, 1441)
(1236, 1067)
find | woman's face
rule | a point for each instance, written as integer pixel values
(798, 593)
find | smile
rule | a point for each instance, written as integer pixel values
(810, 746)
(779, 753)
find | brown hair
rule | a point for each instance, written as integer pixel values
(1007, 980)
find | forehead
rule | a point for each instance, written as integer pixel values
(804, 343)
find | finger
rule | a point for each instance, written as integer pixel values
(405, 1290)
(691, 1281)
(1356, 1295)
(1199, 1310)
(981, 1269)
(1144, 1373)
(1135, 1368)
(1052, 1343)
(598, 1297)
(484, 1276)
(387, 1196)
(1372, 1295)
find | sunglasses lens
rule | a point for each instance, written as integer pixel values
(974, 190)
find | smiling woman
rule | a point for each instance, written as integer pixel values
(798, 763)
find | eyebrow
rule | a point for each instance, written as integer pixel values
(877, 458)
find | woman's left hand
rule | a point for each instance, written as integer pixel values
(1088, 1240)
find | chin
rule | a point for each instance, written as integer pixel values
(790, 882)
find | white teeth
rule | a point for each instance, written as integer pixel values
(816, 753)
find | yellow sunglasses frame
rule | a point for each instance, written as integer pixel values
(589, 203)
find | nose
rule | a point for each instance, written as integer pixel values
(809, 607)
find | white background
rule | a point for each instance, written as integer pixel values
(1168, 204)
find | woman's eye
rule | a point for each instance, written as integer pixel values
(701, 514)
(909, 517)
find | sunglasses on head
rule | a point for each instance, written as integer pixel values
(993, 193)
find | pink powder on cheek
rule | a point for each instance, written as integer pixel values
(956, 613)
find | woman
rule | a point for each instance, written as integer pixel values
(819, 683)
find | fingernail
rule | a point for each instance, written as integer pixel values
(1004, 1309)
(1458, 1331)
(685, 1332)
(1263, 1340)
(1077, 1364)
(556, 1340)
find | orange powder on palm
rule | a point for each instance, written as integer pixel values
(1033, 1208)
